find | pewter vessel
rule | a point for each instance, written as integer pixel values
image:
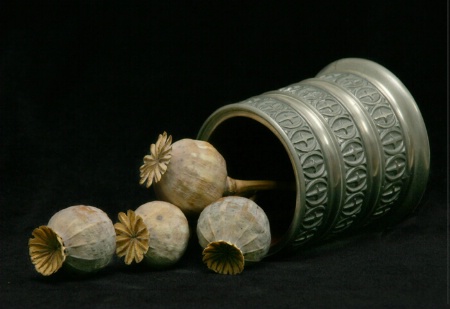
(352, 139)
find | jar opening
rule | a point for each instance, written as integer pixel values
(253, 152)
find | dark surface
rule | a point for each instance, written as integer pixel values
(85, 88)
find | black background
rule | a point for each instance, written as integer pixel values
(85, 87)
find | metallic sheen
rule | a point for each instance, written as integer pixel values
(357, 144)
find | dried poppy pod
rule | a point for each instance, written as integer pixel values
(81, 237)
(157, 232)
(191, 174)
(233, 231)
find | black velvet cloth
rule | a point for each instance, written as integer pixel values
(85, 87)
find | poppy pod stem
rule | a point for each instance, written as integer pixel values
(240, 187)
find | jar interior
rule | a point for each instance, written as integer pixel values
(253, 152)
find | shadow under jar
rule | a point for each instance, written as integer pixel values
(352, 139)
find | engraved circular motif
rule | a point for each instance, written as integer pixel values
(395, 167)
(343, 127)
(353, 204)
(391, 192)
(349, 81)
(356, 178)
(289, 119)
(270, 105)
(313, 164)
(311, 95)
(368, 95)
(313, 217)
(383, 116)
(303, 140)
(329, 107)
(353, 152)
(392, 141)
(316, 191)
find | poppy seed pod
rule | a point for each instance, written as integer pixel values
(233, 231)
(157, 232)
(192, 174)
(81, 237)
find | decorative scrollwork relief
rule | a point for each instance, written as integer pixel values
(349, 139)
(311, 157)
(391, 135)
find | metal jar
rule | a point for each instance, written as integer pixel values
(352, 139)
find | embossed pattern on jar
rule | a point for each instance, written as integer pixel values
(349, 140)
(356, 143)
(307, 147)
(390, 132)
